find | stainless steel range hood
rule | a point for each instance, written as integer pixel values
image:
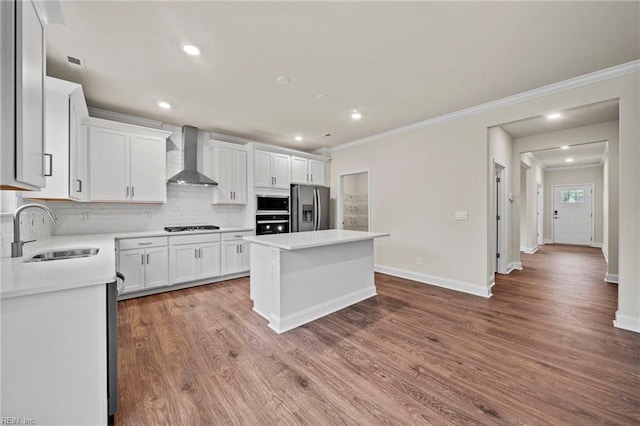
(189, 174)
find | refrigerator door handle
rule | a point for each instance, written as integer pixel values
(316, 209)
(319, 204)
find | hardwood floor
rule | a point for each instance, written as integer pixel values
(542, 350)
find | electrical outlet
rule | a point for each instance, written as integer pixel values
(418, 260)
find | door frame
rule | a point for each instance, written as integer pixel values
(341, 195)
(500, 227)
(540, 212)
(593, 217)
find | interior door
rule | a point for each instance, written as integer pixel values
(572, 214)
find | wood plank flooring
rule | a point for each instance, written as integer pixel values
(542, 350)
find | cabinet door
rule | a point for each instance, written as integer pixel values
(316, 172)
(78, 136)
(148, 169)
(245, 256)
(209, 260)
(56, 145)
(184, 263)
(224, 173)
(281, 171)
(30, 72)
(156, 267)
(230, 254)
(262, 169)
(240, 177)
(131, 265)
(299, 170)
(108, 164)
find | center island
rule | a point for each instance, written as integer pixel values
(302, 276)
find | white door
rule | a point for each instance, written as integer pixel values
(281, 170)
(108, 164)
(316, 172)
(148, 169)
(184, 263)
(131, 265)
(157, 267)
(572, 214)
(262, 169)
(299, 170)
(209, 256)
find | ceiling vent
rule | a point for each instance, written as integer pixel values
(74, 63)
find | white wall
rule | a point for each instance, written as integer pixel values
(526, 202)
(575, 176)
(421, 176)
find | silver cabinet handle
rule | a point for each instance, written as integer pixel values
(127, 192)
(79, 185)
(311, 178)
(145, 244)
(132, 191)
(240, 247)
(237, 248)
(200, 253)
(50, 157)
(142, 259)
(196, 253)
(147, 258)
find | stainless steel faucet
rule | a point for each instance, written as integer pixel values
(16, 245)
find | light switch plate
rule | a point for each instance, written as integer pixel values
(462, 215)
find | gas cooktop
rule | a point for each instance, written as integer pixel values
(190, 228)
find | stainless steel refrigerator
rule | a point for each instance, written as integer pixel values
(309, 208)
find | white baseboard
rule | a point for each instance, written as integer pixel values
(514, 265)
(611, 278)
(491, 281)
(280, 325)
(605, 254)
(597, 245)
(548, 241)
(626, 322)
(461, 286)
(530, 250)
(522, 248)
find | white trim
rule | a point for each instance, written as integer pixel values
(547, 241)
(530, 250)
(296, 319)
(597, 245)
(500, 228)
(593, 213)
(476, 290)
(572, 83)
(124, 118)
(582, 166)
(605, 254)
(514, 266)
(491, 281)
(611, 278)
(626, 322)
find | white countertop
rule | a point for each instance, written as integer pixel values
(302, 240)
(23, 279)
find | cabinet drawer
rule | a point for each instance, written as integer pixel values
(194, 239)
(135, 243)
(228, 236)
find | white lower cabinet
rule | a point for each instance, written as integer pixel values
(144, 262)
(194, 257)
(235, 252)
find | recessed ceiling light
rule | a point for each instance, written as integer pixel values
(164, 105)
(298, 138)
(564, 147)
(283, 79)
(356, 115)
(190, 49)
(322, 97)
(554, 116)
(569, 160)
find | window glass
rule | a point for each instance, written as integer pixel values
(572, 196)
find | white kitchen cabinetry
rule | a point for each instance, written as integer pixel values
(194, 257)
(22, 71)
(65, 163)
(144, 262)
(230, 171)
(235, 252)
(127, 165)
(272, 170)
(307, 171)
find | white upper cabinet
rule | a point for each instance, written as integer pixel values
(230, 171)
(127, 163)
(65, 163)
(22, 71)
(272, 170)
(306, 171)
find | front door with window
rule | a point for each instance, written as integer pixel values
(572, 214)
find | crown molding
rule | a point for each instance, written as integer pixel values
(579, 166)
(572, 83)
(124, 118)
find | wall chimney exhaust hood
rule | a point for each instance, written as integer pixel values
(189, 174)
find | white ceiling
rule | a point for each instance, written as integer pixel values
(398, 62)
(589, 154)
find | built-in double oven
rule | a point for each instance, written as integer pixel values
(272, 214)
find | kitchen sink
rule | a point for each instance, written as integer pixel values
(63, 254)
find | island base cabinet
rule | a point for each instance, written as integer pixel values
(54, 357)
